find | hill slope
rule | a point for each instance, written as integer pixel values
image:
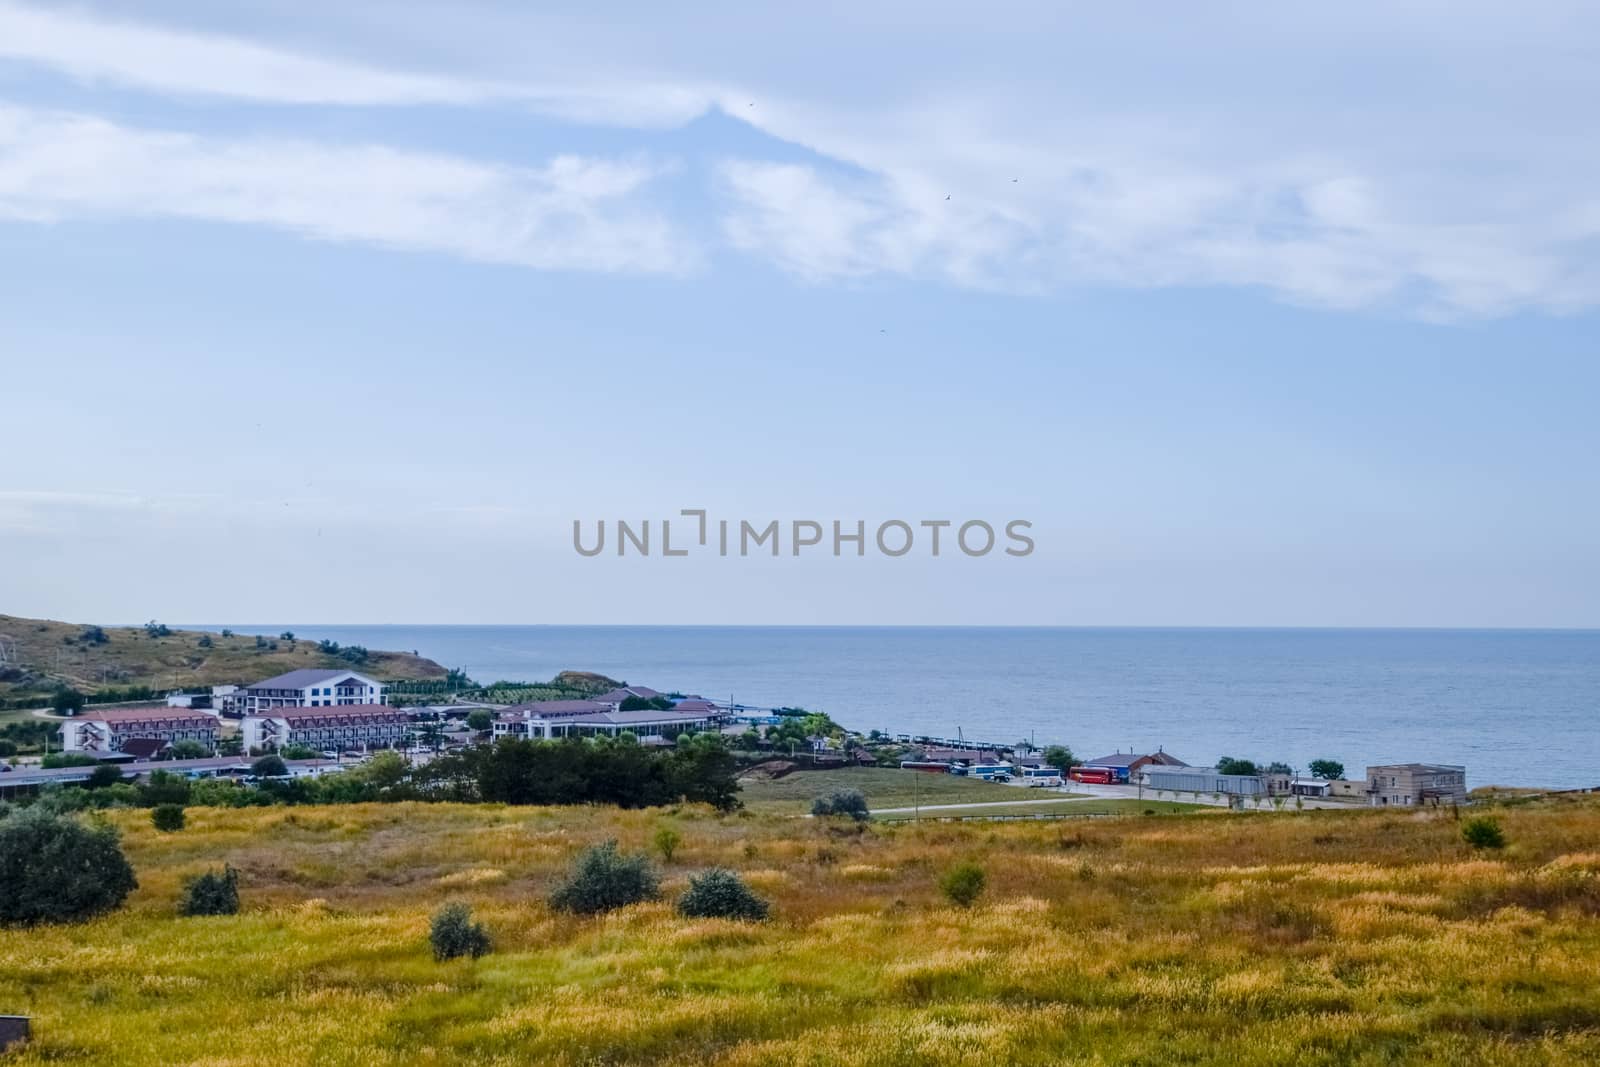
(38, 655)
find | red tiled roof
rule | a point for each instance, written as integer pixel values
(336, 715)
(166, 715)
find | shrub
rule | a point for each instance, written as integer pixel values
(168, 818)
(963, 884)
(104, 775)
(453, 933)
(667, 841)
(851, 802)
(721, 894)
(55, 869)
(1483, 831)
(603, 879)
(213, 893)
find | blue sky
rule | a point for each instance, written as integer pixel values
(1288, 318)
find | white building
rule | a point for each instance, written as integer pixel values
(545, 719)
(109, 730)
(311, 688)
(355, 726)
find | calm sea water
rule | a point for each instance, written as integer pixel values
(1517, 707)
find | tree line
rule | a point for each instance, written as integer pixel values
(619, 771)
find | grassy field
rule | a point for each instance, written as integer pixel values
(48, 653)
(1310, 938)
(884, 788)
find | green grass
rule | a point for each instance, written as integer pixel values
(884, 788)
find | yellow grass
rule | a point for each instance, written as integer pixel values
(1312, 938)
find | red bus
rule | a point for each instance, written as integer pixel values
(1093, 775)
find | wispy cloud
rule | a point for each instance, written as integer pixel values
(1365, 156)
(123, 54)
(573, 213)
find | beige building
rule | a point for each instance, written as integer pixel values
(1416, 784)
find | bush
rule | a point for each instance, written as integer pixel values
(168, 818)
(851, 802)
(213, 893)
(1483, 831)
(106, 774)
(667, 841)
(603, 880)
(963, 884)
(55, 869)
(453, 933)
(721, 894)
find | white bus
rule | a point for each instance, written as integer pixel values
(1041, 777)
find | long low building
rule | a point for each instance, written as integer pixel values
(110, 729)
(1202, 780)
(21, 781)
(356, 726)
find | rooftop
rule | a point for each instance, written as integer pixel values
(162, 714)
(299, 679)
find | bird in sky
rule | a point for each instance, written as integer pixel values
(947, 196)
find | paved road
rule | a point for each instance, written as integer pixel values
(1056, 801)
(1080, 791)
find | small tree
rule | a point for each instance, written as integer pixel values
(480, 719)
(103, 775)
(1327, 769)
(168, 818)
(603, 880)
(269, 767)
(55, 869)
(1483, 831)
(453, 933)
(188, 748)
(204, 642)
(1060, 757)
(213, 893)
(67, 701)
(1231, 765)
(963, 884)
(721, 894)
(851, 802)
(667, 841)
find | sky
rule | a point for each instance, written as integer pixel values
(1258, 314)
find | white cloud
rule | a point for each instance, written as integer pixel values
(574, 213)
(123, 54)
(1407, 156)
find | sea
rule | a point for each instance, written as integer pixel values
(1516, 707)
